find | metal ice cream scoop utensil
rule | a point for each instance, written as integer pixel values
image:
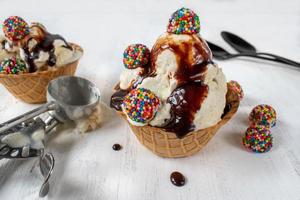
(69, 98)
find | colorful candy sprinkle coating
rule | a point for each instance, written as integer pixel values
(140, 105)
(13, 66)
(258, 139)
(236, 87)
(263, 115)
(184, 21)
(15, 28)
(136, 55)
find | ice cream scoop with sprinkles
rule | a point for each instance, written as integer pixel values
(13, 66)
(258, 139)
(136, 55)
(184, 21)
(236, 87)
(15, 28)
(263, 115)
(140, 106)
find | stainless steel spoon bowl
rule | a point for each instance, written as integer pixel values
(74, 97)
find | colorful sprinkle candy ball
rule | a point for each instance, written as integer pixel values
(263, 115)
(258, 139)
(140, 105)
(136, 55)
(15, 28)
(236, 87)
(13, 66)
(184, 21)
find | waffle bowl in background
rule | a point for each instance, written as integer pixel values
(166, 144)
(31, 87)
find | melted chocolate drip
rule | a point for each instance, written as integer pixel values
(185, 101)
(226, 110)
(190, 68)
(3, 43)
(117, 99)
(116, 147)
(177, 179)
(192, 57)
(192, 60)
(46, 45)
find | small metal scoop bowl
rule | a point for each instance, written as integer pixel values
(74, 97)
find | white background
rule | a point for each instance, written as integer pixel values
(87, 167)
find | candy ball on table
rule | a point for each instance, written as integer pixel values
(140, 106)
(263, 115)
(136, 55)
(13, 65)
(184, 21)
(15, 28)
(237, 88)
(258, 139)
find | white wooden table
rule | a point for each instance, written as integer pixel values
(87, 167)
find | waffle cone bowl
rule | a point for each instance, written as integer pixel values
(31, 87)
(166, 144)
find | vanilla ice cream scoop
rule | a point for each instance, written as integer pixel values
(136, 61)
(43, 49)
(35, 45)
(7, 50)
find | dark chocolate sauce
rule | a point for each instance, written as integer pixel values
(116, 147)
(192, 60)
(117, 99)
(192, 57)
(45, 44)
(226, 110)
(3, 43)
(177, 179)
(185, 101)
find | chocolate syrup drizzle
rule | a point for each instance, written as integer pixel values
(3, 43)
(117, 99)
(185, 101)
(192, 59)
(45, 44)
(177, 179)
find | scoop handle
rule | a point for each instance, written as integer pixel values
(27, 116)
(11, 148)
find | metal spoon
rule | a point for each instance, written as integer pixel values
(239, 44)
(242, 46)
(221, 54)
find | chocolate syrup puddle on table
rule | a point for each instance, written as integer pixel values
(116, 147)
(46, 45)
(177, 179)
